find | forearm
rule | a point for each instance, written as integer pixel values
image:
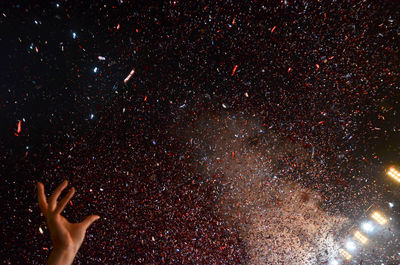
(61, 257)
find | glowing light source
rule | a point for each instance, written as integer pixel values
(391, 204)
(334, 262)
(379, 218)
(367, 227)
(345, 254)
(394, 173)
(360, 237)
(350, 245)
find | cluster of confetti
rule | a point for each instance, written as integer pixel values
(202, 132)
(269, 207)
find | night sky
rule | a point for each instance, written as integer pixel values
(202, 132)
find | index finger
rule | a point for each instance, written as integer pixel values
(53, 198)
(42, 197)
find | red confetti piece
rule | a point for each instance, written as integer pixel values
(145, 98)
(272, 30)
(233, 154)
(233, 22)
(19, 127)
(234, 69)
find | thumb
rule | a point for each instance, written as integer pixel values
(89, 221)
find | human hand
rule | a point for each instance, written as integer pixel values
(66, 237)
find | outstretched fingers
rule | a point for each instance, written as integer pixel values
(42, 198)
(53, 198)
(61, 205)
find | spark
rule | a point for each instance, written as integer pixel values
(40, 230)
(73, 35)
(95, 69)
(101, 58)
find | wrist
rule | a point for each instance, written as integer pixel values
(61, 256)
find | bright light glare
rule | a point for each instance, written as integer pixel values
(395, 174)
(350, 245)
(379, 218)
(391, 204)
(334, 262)
(360, 237)
(345, 254)
(368, 227)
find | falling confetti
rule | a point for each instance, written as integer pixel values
(129, 76)
(234, 69)
(186, 164)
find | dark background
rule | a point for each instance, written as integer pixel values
(326, 76)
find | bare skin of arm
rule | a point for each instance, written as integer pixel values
(66, 237)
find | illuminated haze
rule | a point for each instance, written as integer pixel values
(278, 218)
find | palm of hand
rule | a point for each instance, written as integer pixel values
(64, 235)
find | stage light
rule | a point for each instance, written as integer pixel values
(395, 174)
(345, 254)
(379, 218)
(360, 237)
(334, 262)
(367, 227)
(350, 245)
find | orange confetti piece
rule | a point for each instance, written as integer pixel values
(234, 69)
(233, 154)
(19, 127)
(233, 22)
(272, 30)
(145, 98)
